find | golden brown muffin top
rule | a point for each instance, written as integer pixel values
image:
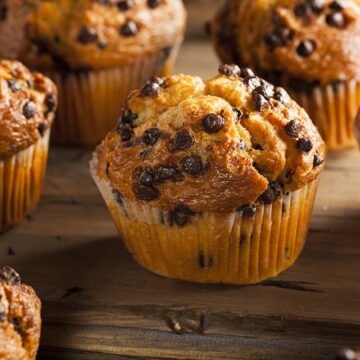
(315, 40)
(20, 322)
(27, 105)
(78, 34)
(211, 146)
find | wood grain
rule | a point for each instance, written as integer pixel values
(99, 304)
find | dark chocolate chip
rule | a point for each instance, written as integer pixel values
(292, 128)
(128, 118)
(272, 193)
(153, 3)
(306, 48)
(213, 123)
(302, 10)
(130, 28)
(247, 73)
(41, 128)
(317, 5)
(337, 6)
(281, 96)
(318, 160)
(258, 147)
(29, 109)
(247, 210)
(279, 37)
(229, 70)
(304, 145)
(50, 102)
(9, 275)
(336, 20)
(125, 133)
(3, 12)
(242, 145)
(125, 5)
(253, 82)
(147, 176)
(87, 35)
(151, 136)
(152, 86)
(118, 196)
(260, 101)
(239, 113)
(183, 140)
(13, 85)
(146, 193)
(193, 165)
(164, 173)
(181, 215)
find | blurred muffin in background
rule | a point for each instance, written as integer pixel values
(28, 103)
(20, 321)
(217, 180)
(96, 51)
(311, 47)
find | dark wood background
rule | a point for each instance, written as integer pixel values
(99, 304)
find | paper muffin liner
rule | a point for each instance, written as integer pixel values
(333, 109)
(90, 101)
(214, 248)
(21, 180)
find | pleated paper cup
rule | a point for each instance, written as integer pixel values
(214, 248)
(333, 109)
(21, 180)
(90, 101)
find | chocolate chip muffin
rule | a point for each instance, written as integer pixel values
(211, 181)
(97, 51)
(308, 46)
(20, 322)
(27, 105)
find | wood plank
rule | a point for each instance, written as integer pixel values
(99, 304)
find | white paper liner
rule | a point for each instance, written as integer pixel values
(21, 180)
(214, 248)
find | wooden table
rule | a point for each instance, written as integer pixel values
(99, 304)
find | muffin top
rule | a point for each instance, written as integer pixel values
(20, 323)
(315, 40)
(83, 34)
(231, 141)
(27, 104)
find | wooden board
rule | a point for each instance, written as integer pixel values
(99, 304)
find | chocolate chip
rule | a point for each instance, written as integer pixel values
(253, 82)
(29, 110)
(306, 48)
(41, 128)
(181, 215)
(317, 5)
(336, 20)
(13, 85)
(87, 35)
(258, 147)
(247, 210)
(3, 12)
(146, 193)
(152, 87)
(118, 196)
(229, 70)
(193, 165)
(242, 145)
(213, 123)
(337, 6)
(247, 73)
(281, 96)
(318, 160)
(125, 5)
(304, 145)
(129, 29)
(183, 140)
(279, 37)
(260, 101)
(164, 173)
(347, 354)
(128, 117)
(203, 262)
(153, 3)
(151, 136)
(266, 90)
(292, 128)
(146, 176)
(302, 10)
(272, 193)
(16, 324)
(239, 113)
(125, 133)
(50, 102)
(10, 276)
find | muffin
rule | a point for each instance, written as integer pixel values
(27, 104)
(310, 47)
(96, 51)
(215, 181)
(20, 322)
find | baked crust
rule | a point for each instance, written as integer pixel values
(27, 105)
(315, 40)
(20, 322)
(208, 145)
(92, 34)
